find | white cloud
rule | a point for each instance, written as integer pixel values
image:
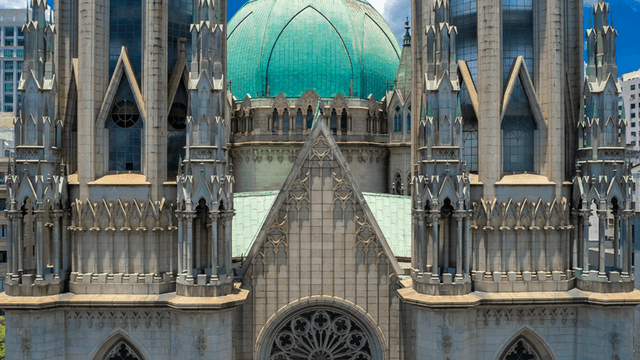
(395, 12)
(13, 4)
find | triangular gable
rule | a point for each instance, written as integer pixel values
(123, 67)
(467, 79)
(519, 70)
(179, 73)
(317, 192)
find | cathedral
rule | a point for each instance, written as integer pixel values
(294, 184)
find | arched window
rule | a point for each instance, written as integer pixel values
(518, 130)
(343, 122)
(122, 351)
(125, 137)
(285, 122)
(470, 143)
(397, 188)
(397, 120)
(203, 131)
(610, 135)
(309, 117)
(275, 122)
(334, 121)
(409, 119)
(445, 132)
(176, 136)
(299, 122)
(521, 349)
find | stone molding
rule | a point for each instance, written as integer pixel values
(526, 315)
(123, 319)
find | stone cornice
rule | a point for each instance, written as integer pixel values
(168, 300)
(571, 297)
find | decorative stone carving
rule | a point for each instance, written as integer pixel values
(202, 344)
(521, 349)
(343, 338)
(122, 351)
(26, 343)
(136, 319)
(526, 315)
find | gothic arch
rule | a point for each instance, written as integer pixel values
(116, 340)
(531, 342)
(379, 350)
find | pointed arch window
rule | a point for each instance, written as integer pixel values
(610, 135)
(521, 349)
(409, 119)
(334, 121)
(309, 117)
(518, 133)
(397, 188)
(176, 135)
(397, 120)
(299, 121)
(445, 132)
(285, 121)
(125, 137)
(470, 144)
(344, 122)
(275, 122)
(122, 351)
(203, 131)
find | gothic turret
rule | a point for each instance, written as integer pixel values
(36, 184)
(205, 183)
(603, 185)
(441, 187)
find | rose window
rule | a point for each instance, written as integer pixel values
(321, 335)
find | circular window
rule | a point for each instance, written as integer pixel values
(125, 114)
(321, 334)
(177, 116)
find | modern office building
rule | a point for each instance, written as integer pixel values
(11, 57)
(296, 185)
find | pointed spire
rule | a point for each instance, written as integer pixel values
(316, 116)
(407, 36)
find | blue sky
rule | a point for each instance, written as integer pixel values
(626, 19)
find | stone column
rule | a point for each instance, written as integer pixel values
(74, 262)
(80, 241)
(626, 239)
(467, 244)
(459, 266)
(629, 247)
(56, 244)
(126, 231)
(416, 257)
(574, 240)
(534, 260)
(67, 246)
(39, 215)
(19, 222)
(585, 240)
(10, 245)
(519, 230)
(188, 261)
(180, 243)
(227, 243)
(214, 244)
(602, 216)
(446, 241)
(169, 243)
(435, 216)
(616, 240)
(488, 268)
(112, 235)
(95, 231)
(503, 248)
(143, 241)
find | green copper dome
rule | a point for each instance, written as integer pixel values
(330, 46)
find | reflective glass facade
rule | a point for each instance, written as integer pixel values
(180, 18)
(517, 33)
(518, 129)
(125, 29)
(464, 15)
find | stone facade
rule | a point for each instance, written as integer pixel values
(131, 145)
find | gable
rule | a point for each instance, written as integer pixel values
(320, 204)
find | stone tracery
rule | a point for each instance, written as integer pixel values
(321, 334)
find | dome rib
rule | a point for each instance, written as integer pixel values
(346, 50)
